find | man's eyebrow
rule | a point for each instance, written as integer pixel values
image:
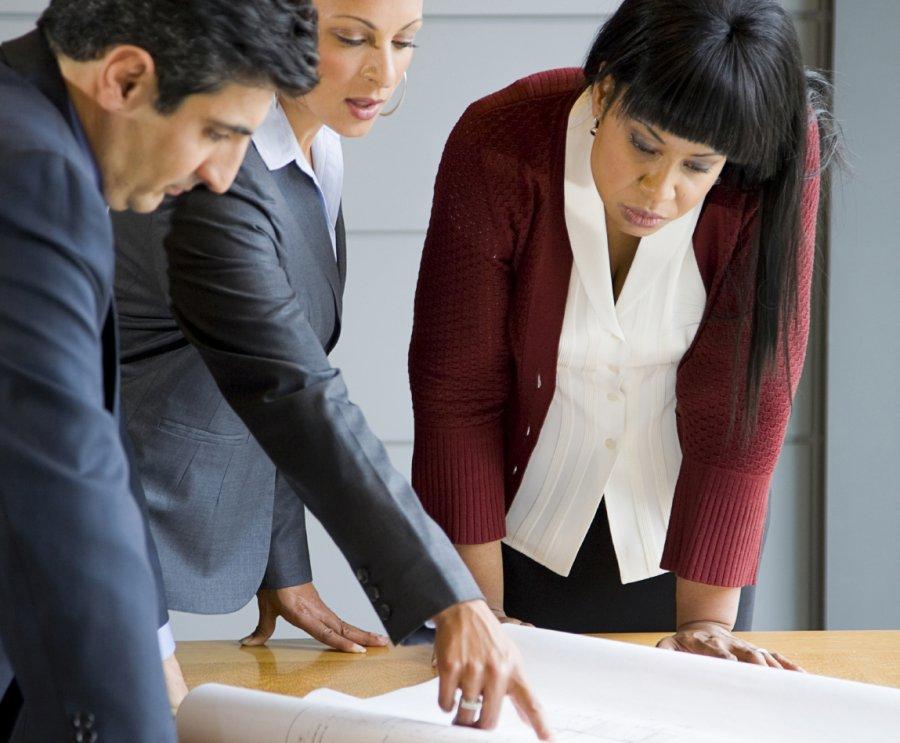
(659, 139)
(235, 128)
(371, 25)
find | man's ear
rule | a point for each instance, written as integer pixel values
(127, 79)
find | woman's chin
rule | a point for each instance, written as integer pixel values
(351, 128)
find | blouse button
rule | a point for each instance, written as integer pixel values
(610, 443)
(613, 368)
(612, 397)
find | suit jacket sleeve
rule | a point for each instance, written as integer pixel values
(288, 549)
(77, 592)
(234, 302)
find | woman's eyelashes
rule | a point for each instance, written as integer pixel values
(641, 146)
(356, 41)
(644, 148)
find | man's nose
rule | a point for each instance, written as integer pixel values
(219, 172)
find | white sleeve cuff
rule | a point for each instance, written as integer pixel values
(166, 640)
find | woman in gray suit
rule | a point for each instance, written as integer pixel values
(235, 410)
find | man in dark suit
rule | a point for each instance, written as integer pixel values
(111, 103)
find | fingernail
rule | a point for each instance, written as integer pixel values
(358, 649)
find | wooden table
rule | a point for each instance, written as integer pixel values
(296, 667)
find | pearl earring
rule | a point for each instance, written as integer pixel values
(595, 127)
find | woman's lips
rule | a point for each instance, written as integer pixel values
(364, 109)
(641, 218)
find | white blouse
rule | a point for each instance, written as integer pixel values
(610, 429)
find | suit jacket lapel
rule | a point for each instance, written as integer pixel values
(341, 256)
(298, 193)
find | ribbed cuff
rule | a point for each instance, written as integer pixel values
(458, 475)
(716, 527)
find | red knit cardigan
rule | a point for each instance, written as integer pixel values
(489, 310)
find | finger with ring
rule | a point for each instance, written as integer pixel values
(473, 705)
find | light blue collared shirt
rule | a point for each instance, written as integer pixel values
(278, 146)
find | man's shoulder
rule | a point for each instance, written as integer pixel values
(29, 121)
(47, 189)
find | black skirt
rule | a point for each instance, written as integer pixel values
(592, 598)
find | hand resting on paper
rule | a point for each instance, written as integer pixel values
(477, 658)
(713, 639)
(303, 607)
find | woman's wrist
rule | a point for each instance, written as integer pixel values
(700, 604)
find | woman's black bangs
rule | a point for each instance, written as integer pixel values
(721, 111)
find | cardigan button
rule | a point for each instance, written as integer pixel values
(528, 432)
(515, 469)
(538, 381)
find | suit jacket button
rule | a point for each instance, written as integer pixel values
(384, 611)
(362, 575)
(373, 593)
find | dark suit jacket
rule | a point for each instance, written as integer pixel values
(78, 601)
(233, 381)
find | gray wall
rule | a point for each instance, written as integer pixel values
(862, 576)
(470, 48)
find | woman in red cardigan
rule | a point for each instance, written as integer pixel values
(611, 320)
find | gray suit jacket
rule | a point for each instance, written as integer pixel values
(78, 601)
(227, 378)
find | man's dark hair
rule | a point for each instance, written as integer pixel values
(198, 46)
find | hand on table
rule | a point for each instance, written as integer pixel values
(475, 656)
(302, 606)
(175, 685)
(710, 638)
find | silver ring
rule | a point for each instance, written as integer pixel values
(473, 705)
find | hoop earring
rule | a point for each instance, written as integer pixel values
(595, 127)
(400, 102)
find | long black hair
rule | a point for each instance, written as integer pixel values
(729, 74)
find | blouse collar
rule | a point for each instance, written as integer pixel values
(586, 224)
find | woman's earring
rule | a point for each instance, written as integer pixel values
(718, 181)
(400, 102)
(595, 127)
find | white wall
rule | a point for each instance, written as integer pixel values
(469, 48)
